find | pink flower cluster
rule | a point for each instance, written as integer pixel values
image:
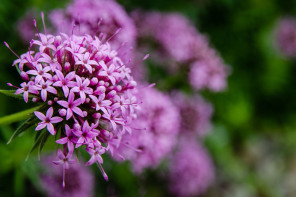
(158, 124)
(104, 18)
(195, 115)
(87, 14)
(82, 85)
(285, 33)
(191, 170)
(180, 45)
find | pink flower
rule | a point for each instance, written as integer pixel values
(97, 158)
(81, 79)
(285, 33)
(109, 72)
(46, 87)
(46, 41)
(79, 180)
(101, 103)
(82, 88)
(182, 48)
(65, 82)
(26, 89)
(71, 106)
(91, 15)
(40, 73)
(47, 121)
(53, 63)
(85, 135)
(65, 161)
(191, 170)
(95, 155)
(70, 139)
(84, 59)
(209, 74)
(154, 132)
(195, 114)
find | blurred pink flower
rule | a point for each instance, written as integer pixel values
(154, 131)
(195, 114)
(191, 170)
(79, 180)
(285, 33)
(87, 14)
(176, 44)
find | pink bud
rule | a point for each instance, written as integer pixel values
(94, 81)
(35, 99)
(67, 66)
(57, 40)
(118, 88)
(62, 112)
(96, 115)
(101, 83)
(76, 126)
(133, 84)
(50, 102)
(111, 94)
(100, 90)
(84, 113)
(25, 76)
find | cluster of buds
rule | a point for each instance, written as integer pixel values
(86, 93)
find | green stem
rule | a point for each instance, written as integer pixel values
(6, 120)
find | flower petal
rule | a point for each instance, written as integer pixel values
(49, 112)
(39, 115)
(51, 129)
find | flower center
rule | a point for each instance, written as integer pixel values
(70, 105)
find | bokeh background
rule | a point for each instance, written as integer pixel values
(253, 138)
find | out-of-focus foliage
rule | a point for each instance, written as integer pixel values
(253, 140)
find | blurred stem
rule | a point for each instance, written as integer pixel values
(6, 120)
(18, 182)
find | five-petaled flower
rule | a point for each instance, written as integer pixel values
(71, 106)
(47, 121)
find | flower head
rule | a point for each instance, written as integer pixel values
(181, 48)
(89, 15)
(195, 115)
(285, 33)
(191, 170)
(81, 85)
(154, 131)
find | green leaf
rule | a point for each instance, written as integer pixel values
(43, 141)
(24, 127)
(11, 94)
(6, 120)
(40, 139)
